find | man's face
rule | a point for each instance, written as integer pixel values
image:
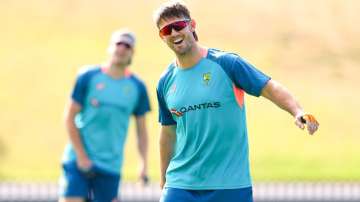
(121, 53)
(181, 38)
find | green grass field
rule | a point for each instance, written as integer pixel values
(310, 46)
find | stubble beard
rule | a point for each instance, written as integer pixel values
(184, 51)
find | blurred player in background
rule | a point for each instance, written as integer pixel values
(97, 118)
(203, 140)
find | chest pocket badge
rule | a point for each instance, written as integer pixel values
(206, 78)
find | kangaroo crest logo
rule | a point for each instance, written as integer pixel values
(207, 78)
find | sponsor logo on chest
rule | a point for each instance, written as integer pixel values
(203, 106)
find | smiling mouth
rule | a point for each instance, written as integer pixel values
(178, 41)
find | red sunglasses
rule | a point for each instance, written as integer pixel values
(177, 26)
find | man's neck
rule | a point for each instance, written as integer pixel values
(191, 58)
(115, 71)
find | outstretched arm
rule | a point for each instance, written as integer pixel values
(279, 95)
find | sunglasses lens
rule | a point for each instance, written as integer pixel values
(166, 30)
(177, 26)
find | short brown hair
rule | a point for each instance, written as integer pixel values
(172, 9)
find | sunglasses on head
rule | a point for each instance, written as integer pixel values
(177, 26)
(127, 46)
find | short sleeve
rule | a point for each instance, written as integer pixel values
(165, 117)
(243, 74)
(143, 103)
(79, 91)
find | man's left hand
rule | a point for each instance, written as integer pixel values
(308, 120)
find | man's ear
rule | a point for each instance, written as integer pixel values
(193, 25)
(161, 37)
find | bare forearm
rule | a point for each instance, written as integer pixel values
(75, 138)
(142, 140)
(143, 147)
(167, 142)
(279, 95)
